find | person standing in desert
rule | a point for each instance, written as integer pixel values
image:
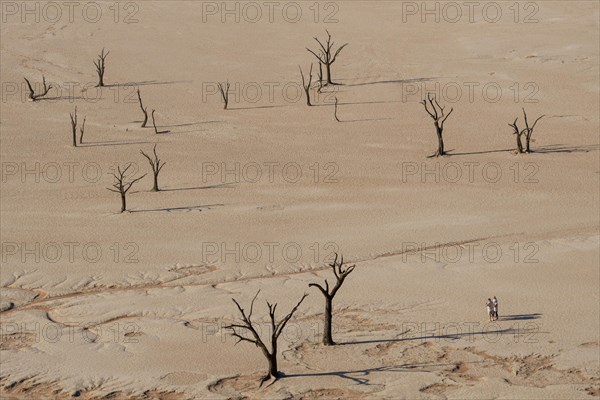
(495, 304)
(490, 307)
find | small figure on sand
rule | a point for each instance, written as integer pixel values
(490, 309)
(495, 308)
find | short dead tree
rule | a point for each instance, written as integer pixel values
(144, 109)
(246, 325)
(32, 95)
(82, 131)
(340, 275)
(320, 77)
(74, 126)
(156, 164)
(439, 117)
(335, 108)
(224, 89)
(327, 55)
(527, 132)
(306, 84)
(122, 184)
(154, 124)
(101, 67)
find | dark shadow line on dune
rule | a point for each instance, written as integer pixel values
(106, 144)
(186, 209)
(365, 119)
(414, 80)
(145, 83)
(469, 153)
(520, 317)
(219, 186)
(561, 148)
(189, 124)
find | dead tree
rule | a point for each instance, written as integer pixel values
(439, 117)
(101, 67)
(144, 109)
(155, 127)
(527, 132)
(335, 106)
(224, 89)
(122, 184)
(276, 328)
(327, 55)
(74, 126)
(340, 275)
(306, 85)
(82, 130)
(32, 95)
(320, 77)
(156, 164)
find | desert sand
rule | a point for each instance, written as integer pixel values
(137, 309)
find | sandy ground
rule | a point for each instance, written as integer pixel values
(106, 305)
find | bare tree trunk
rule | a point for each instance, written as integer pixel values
(123, 203)
(440, 137)
(144, 109)
(439, 117)
(335, 107)
(340, 274)
(74, 126)
(327, 337)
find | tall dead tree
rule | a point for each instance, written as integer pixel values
(74, 126)
(276, 328)
(439, 117)
(101, 67)
(306, 85)
(122, 184)
(527, 132)
(144, 109)
(327, 55)
(32, 95)
(156, 164)
(224, 89)
(340, 275)
(154, 124)
(82, 130)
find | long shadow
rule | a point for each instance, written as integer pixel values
(414, 80)
(365, 119)
(520, 317)
(220, 186)
(182, 125)
(61, 98)
(450, 152)
(561, 148)
(361, 379)
(254, 108)
(145, 83)
(106, 144)
(177, 209)
(453, 336)
(355, 103)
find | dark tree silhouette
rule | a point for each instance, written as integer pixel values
(306, 84)
(156, 164)
(32, 95)
(74, 126)
(122, 184)
(154, 124)
(340, 275)
(276, 328)
(439, 117)
(527, 132)
(144, 109)
(327, 55)
(224, 89)
(82, 131)
(335, 107)
(101, 67)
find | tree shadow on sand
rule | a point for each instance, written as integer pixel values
(360, 376)
(219, 186)
(181, 209)
(458, 335)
